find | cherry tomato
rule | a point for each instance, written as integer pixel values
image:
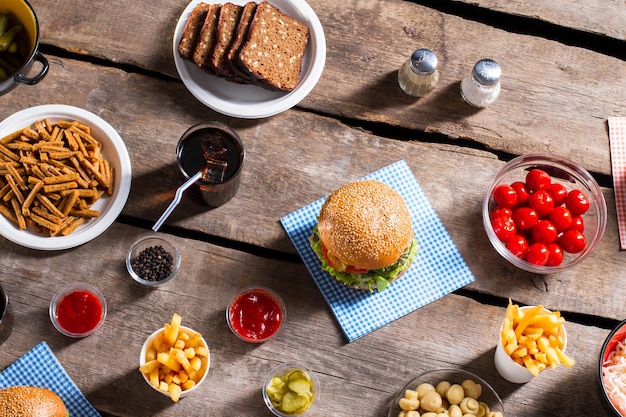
(578, 224)
(501, 212)
(558, 193)
(525, 217)
(544, 232)
(542, 215)
(536, 179)
(572, 241)
(561, 218)
(504, 196)
(518, 245)
(537, 254)
(542, 201)
(503, 227)
(522, 192)
(577, 202)
(555, 255)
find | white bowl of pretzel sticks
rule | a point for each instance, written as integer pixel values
(65, 176)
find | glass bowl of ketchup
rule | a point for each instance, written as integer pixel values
(77, 309)
(256, 314)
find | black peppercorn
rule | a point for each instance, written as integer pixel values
(153, 263)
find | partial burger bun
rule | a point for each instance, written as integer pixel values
(366, 224)
(27, 401)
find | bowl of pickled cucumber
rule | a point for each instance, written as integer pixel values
(290, 390)
(452, 392)
(19, 46)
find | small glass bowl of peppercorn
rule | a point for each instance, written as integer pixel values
(153, 261)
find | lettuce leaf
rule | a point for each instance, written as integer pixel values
(375, 279)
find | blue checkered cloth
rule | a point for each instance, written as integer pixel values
(40, 368)
(438, 270)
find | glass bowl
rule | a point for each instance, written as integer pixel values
(610, 345)
(276, 386)
(256, 314)
(68, 318)
(487, 395)
(562, 171)
(153, 245)
(205, 364)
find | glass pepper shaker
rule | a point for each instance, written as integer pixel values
(418, 75)
(481, 87)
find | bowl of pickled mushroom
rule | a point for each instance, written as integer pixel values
(453, 392)
(290, 390)
(544, 213)
(611, 368)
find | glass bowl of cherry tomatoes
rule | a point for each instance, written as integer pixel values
(544, 213)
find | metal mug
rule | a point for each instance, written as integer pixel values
(191, 158)
(21, 12)
(6, 316)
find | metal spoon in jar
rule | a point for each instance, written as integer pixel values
(177, 198)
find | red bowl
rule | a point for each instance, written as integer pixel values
(617, 334)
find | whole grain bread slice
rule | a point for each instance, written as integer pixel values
(274, 49)
(226, 26)
(192, 29)
(239, 38)
(207, 38)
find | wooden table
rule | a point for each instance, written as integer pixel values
(563, 76)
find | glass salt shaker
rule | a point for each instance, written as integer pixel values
(418, 75)
(481, 87)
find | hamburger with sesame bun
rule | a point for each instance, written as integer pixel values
(364, 238)
(25, 401)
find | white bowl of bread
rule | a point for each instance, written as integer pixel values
(249, 59)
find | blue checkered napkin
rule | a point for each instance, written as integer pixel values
(40, 368)
(438, 270)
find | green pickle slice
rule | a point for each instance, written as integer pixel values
(292, 392)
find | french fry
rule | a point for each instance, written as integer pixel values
(147, 367)
(77, 221)
(175, 391)
(175, 327)
(84, 213)
(11, 137)
(533, 337)
(56, 172)
(17, 209)
(171, 365)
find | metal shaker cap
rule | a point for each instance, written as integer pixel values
(423, 61)
(487, 72)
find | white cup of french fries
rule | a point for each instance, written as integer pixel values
(175, 359)
(532, 339)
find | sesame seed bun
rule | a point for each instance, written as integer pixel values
(27, 401)
(365, 224)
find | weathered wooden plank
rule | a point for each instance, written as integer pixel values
(373, 368)
(549, 101)
(316, 155)
(601, 17)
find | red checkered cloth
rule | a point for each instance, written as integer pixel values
(617, 141)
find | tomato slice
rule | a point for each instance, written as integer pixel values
(355, 270)
(325, 252)
(339, 266)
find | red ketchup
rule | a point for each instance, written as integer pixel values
(79, 312)
(256, 315)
